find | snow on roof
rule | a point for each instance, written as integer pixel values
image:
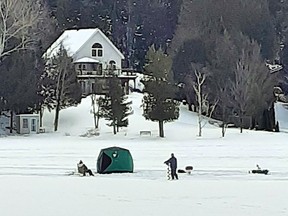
(74, 39)
(86, 60)
(28, 115)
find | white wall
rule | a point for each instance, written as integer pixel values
(29, 129)
(109, 52)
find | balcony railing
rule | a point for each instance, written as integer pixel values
(104, 73)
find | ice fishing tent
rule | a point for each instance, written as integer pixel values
(114, 160)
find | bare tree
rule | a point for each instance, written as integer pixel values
(241, 90)
(202, 100)
(97, 112)
(94, 100)
(18, 20)
(252, 88)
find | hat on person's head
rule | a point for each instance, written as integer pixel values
(172, 154)
(80, 162)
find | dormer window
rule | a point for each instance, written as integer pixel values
(97, 50)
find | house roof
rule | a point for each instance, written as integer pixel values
(28, 115)
(86, 60)
(74, 39)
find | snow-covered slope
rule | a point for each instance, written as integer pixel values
(76, 121)
(34, 180)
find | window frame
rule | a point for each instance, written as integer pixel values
(97, 50)
(25, 123)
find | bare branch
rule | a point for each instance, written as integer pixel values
(18, 20)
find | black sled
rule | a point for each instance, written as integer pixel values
(265, 171)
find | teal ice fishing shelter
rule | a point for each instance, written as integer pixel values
(114, 160)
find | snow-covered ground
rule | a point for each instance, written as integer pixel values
(34, 169)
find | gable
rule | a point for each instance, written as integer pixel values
(110, 52)
(77, 39)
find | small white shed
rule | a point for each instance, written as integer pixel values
(27, 123)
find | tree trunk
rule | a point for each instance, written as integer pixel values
(241, 124)
(161, 129)
(11, 121)
(93, 98)
(57, 111)
(200, 113)
(114, 127)
(41, 116)
(97, 122)
(223, 129)
(199, 124)
(129, 33)
(224, 124)
(59, 92)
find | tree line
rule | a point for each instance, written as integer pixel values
(227, 42)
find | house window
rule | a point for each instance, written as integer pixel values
(25, 123)
(112, 65)
(33, 125)
(112, 68)
(99, 69)
(82, 66)
(97, 50)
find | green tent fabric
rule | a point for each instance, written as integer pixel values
(114, 160)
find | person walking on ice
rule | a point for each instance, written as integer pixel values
(172, 162)
(82, 169)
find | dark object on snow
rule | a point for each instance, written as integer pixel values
(172, 162)
(259, 171)
(188, 169)
(181, 171)
(82, 169)
(114, 160)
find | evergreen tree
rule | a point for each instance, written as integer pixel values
(19, 83)
(115, 107)
(158, 103)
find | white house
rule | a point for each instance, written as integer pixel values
(27, 123)
(94, 56)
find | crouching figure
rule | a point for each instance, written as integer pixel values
(82, 169)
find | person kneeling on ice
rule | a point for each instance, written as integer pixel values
(172, 162)
(82, 169)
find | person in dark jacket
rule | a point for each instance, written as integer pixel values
(82, 169)
(172, 162)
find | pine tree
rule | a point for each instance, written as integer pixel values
(158, 103)
(115, 107)
(19, 83)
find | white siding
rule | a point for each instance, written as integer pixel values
(109, 53)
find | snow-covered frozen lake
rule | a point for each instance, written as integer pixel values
(34, 170)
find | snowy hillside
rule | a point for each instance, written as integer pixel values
(77, 120)
(33, 169)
